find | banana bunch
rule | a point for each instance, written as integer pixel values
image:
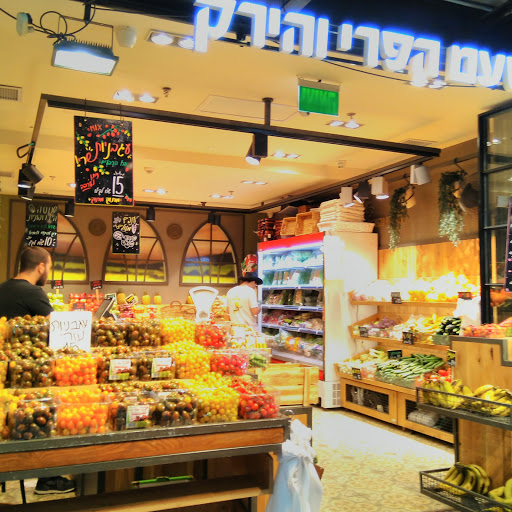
(502, 494)
(493, 394)
(441, 400)
(467, 477)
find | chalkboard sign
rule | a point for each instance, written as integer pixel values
(103, 161)
(97, 285)
(408, 337)
(41, 224)
(58, 284)
(125, 233)
(396, 298)
(394, 354)
(356, 373)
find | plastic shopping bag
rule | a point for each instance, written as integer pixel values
(297, 487)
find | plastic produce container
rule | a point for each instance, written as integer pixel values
(259, 405)
(106, 332)
(134, 410)
(210, 335)
(32, 419)
(31, 373)
(76, 369)
(230, 362)
(178, 407)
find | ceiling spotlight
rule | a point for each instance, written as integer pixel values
(279, 154)
(26, 193)
(126, 36)
(248, 182)
(260, 183)
(186, 42)
(352, 123)
(161, 191)
(346, 197)
(336, 122)
(161, 38)
(380, 187)
(69, 209)
(22, 181)
(150, 214)
(363, 191)
(148, 190)
(31, 173)
(147, 98)
(123, 95)
(84, 57)
(258, 149)
(287, 171)
(229, 196)
(215, 196)
(420, 175)
(292, 156)
(72, 185)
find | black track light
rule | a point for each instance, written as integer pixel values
(214, 218)
(150, 214)
(26, 193)
(363, 191)
(258, 149)
(31, 173)
(69, 210)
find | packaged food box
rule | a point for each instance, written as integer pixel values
(32, 419)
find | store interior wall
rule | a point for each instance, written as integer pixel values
(96, 246)
(4, 236)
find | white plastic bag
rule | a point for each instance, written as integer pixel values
(297, 487)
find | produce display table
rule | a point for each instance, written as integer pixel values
(247, 474)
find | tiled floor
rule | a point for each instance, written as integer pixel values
(370, 466)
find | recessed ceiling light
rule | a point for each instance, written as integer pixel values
(186, 42)
(72, 185)
(147, 98)
(336, 122)
(123, 95)
(149, 190)
(161, 191)
(228, 197)
(261, 183)
(215, 196)
(248, 182)
(292, 155)
(279, 154)
(161, 38)
(287, 171)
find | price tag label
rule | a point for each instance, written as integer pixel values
(78, 306)
(119, 369)
(396, 298)
(356, 373)
(465, 295)
(408, 337)
(161, 367)
(363, 332)
(70, 329)
(450, 357)
(97, 285)
(131, 299)
(137, 416)
(394, 354)
(58, 284)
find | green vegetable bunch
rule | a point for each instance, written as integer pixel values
(450, 212)
(397, 213)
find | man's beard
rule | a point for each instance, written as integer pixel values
(42, 280)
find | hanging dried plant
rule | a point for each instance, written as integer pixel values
(451, 220)
(397, 213)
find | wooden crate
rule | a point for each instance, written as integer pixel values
(297, 383)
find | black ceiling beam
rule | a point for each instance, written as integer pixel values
(498, 14)
(148, 114)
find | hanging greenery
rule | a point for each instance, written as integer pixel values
(451, 221)
(397, 213)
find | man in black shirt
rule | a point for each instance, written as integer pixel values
(22, 296)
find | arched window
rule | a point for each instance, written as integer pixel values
(146, 267)
(68, 256)
(209, 257)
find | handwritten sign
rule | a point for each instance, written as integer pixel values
(103, 161)
(125, 233)
(41, 224)
(70, 329)
(58, 284)
(97, 285)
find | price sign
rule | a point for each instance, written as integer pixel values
(396, 298)
(70, 329)
(465, 295)
(356, 373)
(130, 299)
(41, 224)
(119, 369)
(97, 285)
(363, 332)
(58, 284)
(78, 306)
(394, 354)
(125, 233)
(103, 161)
(408, 337)
(450, 357)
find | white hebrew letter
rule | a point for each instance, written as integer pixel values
(344, 41)
(274, 22)
(203, 30)
(490, 71)
(371, 45)
(461, 64)
(396, 49)
(306, 25)
(507, 75)
(322, 38)
(258, 13)
(425, 64)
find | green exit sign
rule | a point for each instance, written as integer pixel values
(319, 98)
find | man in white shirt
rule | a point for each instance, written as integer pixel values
(243, 301)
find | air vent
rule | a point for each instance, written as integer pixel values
(5, 174)
(10, 93)
(418, 142)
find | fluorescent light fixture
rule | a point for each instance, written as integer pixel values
(248, 182)
(186, 42)
(336, 122)
(69, 209)
(84, 57)
(279, 154)
(380, 187)
(148, 190)
(123, 95)
(215, 196)
(352, 123)
(287, 171)
(147, 98)
(161, 38)
(161, 191)
(293, 156)
(261, 183)
(150, 214)
(346, 196)
(363, 191)
(72, 185)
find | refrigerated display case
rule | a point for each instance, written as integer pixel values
(305, 301)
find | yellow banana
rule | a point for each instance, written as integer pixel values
(508, 489)
(497, 493)
(482, 389)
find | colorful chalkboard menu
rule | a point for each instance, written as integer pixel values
(41, 224)
(125, 233)
(103, 161)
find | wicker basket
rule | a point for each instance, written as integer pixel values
(288, 226)
(353, 227)
(307, 223)
(177, 309)
(304, 208)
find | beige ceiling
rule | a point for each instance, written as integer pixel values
(192, 163)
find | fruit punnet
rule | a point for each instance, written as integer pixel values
(75, 369)
(176, 330)
(256, 400)
(179, 407)
(33, 418)
(134, 410)
(209, 335)
(229, 362)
